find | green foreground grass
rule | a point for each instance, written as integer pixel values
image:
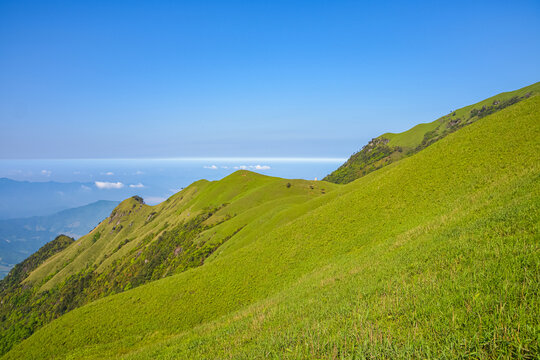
(436, 256)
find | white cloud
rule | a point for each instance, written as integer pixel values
(154, 200)
(262, 167)
(139, 172)
(212, 167)
(109, 173)
(85, 188)
(224, 167)
(108, 185)
(46, 172)
(136, 186)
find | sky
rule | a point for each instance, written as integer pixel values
(145, 79)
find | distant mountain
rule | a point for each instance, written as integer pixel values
(24, 198)
(21, 237)
(391, 147)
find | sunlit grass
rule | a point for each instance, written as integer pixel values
(436, 256)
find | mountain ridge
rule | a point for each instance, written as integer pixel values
(391, 147)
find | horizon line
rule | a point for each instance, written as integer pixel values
(209, 159)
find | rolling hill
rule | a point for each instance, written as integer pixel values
(138, 243)
(436, 255)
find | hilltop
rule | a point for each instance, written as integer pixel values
(434, 254)
(391, 147)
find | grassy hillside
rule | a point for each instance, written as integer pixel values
(21, 270)
(138, 243)
(14, 295)
(392, 147)
(230, 204)
(433, 256)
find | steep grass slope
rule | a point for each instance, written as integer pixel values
(233, 202)
(434, 256)
(392, 147)
(137, 244)
(21, 270)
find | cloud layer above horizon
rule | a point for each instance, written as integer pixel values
(116, 185)
(109, 185)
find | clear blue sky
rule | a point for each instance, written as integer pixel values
(109, 79)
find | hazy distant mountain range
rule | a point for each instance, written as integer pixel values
(25, 198)
(21, 237)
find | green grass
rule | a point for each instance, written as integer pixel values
(413, 137)
(433, 256)
(391, 147)
(137, 244)
(21, 271)
(242, 191)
